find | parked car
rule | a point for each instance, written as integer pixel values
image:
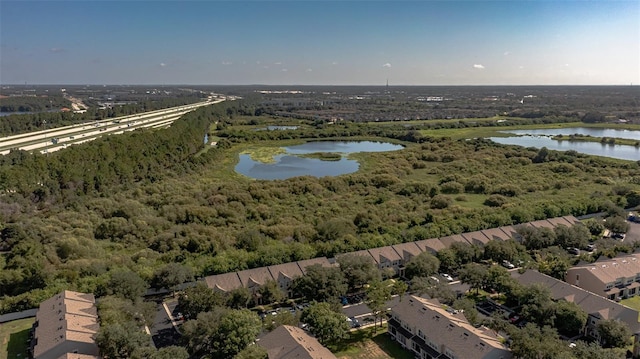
(591, 247)
(507, 264)
(447, 277)
(573, 250)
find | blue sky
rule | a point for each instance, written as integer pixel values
(537, 42)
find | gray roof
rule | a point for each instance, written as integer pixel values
(591, 303)
(451, 330)
(608, 270)
(289, 342)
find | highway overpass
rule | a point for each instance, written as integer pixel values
(58, 138)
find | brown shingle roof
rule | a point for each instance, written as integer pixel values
(365, 253)
(496, 234)
(288, 342)
(382, 254)
(449, 240)
(407, 250)
(560, 221)
(476, 237)
(323, 261)
(223, 282)
(542, 224)
(431, 245)
(289, 270)
(256, 277)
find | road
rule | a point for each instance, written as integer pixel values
(58, 138)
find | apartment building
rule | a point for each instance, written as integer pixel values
(65, 327)
(611, 278)
(430, 330)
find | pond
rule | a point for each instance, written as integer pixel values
(291, 164)
(591, 148)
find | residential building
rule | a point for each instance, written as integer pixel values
(496, 234)
(611, 278)
(66, 324)
(432, 245)
(449, 240)
(476, 237)
(597, 307)
(289, 342)
(284, 274)
(255, 278)
(430, 331)
(323, 261)
(387, 257)
(223, 283)
(406, 251)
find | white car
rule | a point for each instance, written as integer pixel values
(447, 277)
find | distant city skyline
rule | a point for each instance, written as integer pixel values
(536, 42)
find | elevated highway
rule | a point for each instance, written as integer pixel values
(55, 139)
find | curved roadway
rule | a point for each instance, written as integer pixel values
(58, 138)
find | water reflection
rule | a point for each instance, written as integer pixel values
(290, 165)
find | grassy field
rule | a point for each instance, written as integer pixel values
(13, 336)
(371, 344)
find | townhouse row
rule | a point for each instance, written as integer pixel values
(394, 257)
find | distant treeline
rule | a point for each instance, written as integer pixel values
(32, 103)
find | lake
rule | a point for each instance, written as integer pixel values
(291, 164)
(542, 138)
(593, 132)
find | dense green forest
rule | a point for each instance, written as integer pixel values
(144, 199)
(32, 103)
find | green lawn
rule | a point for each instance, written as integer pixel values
(14, 336)
(371, 344)
(633, 302)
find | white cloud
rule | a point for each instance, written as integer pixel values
(478, 66)
(227, 63)
(386, 65)
(277, 63)
(309, 70)
(162, 64)
(284, 70)
(57, 50)
(507, 53)
(334, 63)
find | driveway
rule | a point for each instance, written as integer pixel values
(163, 332)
